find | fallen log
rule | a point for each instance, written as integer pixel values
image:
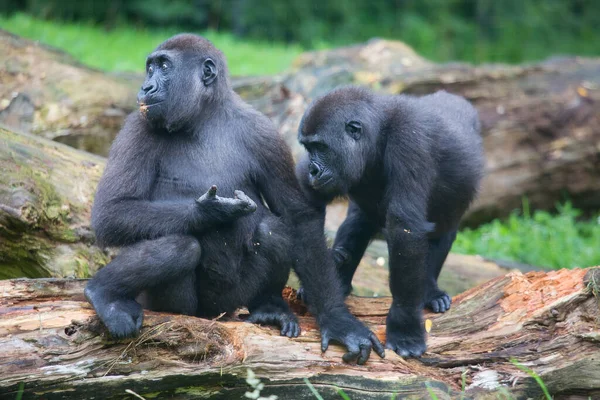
(52, 346)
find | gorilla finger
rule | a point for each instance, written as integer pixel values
(377, 346)
(365, 353)
(212, 192)
(296, 329)
(447, 302)
(324, 342)
(238, 194)
(350, 356)
(285, 329)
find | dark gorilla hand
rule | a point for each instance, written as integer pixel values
(225, 209)
(340, 326)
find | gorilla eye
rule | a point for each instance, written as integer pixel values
(353, 128)
(164, 66)
(150, 70)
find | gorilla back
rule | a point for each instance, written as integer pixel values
(411, 166)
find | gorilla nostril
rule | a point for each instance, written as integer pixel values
(313, 169)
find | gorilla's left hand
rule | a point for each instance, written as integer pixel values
(342, 327)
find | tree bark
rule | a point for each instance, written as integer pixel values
(52, 346)
(46, 192)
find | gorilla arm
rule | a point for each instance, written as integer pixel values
(123, 214)
(313, 263)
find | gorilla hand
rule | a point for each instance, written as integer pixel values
(342, 327)
(217, 209)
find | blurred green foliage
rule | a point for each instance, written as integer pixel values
(560, 240)
(125, 48)
(470, 30)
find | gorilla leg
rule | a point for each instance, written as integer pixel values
(112, 291)
(178, 296)
(436, 299)
(268, 306)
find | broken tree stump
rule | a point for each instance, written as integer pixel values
(52, 346)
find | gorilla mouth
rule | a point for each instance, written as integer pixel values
(144, 106)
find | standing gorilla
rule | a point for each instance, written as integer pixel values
(207, 255)
(411, 166)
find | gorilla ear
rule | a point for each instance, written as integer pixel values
(354, 129)
(209, 72)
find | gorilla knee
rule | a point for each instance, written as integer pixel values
(180, 249)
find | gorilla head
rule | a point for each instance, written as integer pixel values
(340, 132)
(184, 76)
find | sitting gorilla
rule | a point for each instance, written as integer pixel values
(410, 166)
(204, 255)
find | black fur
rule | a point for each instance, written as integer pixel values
(410, 166)
(203, 254)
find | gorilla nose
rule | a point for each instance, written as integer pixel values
(314, 169)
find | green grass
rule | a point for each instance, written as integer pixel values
(125, 48)
(559, 240)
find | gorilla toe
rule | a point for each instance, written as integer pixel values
(286, 321)
(406, 346)
(438, 302)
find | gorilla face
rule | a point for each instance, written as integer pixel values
(176, 87)
(338, 132)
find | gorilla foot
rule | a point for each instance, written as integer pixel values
(405, 345)
(438, 301)
(276, 315)
(123, 318)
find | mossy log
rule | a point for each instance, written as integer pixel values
(46, 192)
(52, 346)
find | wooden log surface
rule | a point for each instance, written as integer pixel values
(52, 346)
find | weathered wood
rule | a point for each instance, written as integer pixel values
(52, 343)
(46, 192)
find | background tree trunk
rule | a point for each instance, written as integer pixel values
(52, 344)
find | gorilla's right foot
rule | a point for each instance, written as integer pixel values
(122, 317)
